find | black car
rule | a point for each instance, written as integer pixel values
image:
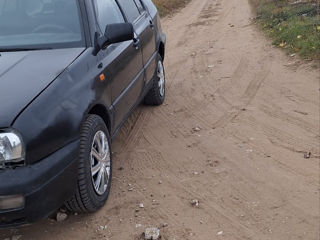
(71, 72)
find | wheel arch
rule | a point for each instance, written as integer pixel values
(161, 50)
(102, 112)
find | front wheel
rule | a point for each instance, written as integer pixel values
(94, 169)
(157, 93)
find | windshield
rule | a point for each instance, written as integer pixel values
(40, 24)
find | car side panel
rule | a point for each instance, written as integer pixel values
(144, 28)
(124, 69)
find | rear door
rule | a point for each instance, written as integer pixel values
(144, 28)
(121, 63)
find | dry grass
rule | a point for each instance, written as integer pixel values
(293, 25)
(170, 6)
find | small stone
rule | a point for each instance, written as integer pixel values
(141, 205)
(160, 182)
(152, 233)
(195, 203)
(61, 217)
(101, 228)
(165, 225)
(220, 233)
(138, 225)
(196, 129)
(154, 202)
(307, 155)
(196, 173)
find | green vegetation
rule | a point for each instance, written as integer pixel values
(169, 6)
(294, 26)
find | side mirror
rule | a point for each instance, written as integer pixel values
(119, 32)
(114, 33)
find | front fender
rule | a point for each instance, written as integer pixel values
(54, 118)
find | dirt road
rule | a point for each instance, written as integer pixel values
(239, 117)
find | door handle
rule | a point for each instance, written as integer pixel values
(136, 43)
(151, 24)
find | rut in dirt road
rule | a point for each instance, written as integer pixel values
(255, 111)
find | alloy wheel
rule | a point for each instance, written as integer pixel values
(100, 162)
(161, 77)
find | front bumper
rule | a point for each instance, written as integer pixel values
(45, 185)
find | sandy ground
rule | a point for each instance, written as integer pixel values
(239, 117)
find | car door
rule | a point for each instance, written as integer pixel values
(144, 28)
(121, 63)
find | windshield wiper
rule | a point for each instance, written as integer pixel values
(21, 49)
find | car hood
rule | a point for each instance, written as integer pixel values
(24, 75)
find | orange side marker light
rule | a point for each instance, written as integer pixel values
(102, 77)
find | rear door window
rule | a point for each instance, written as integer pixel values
(108, 12)
(139, 5)
(130, 9)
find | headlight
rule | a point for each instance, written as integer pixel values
(11, 149)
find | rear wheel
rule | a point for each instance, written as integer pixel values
(157, 93)
(95, 167)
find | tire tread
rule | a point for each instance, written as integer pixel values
(153, 97)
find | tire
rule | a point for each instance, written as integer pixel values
(157, 93)
(90, 197)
